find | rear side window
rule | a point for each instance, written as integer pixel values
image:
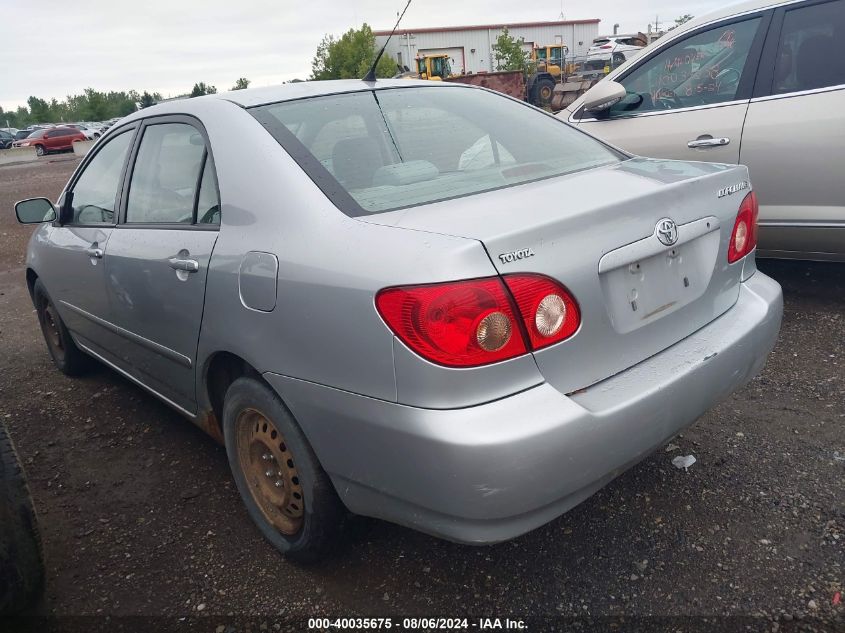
(395, 148)
(810, 54)
(166, 175)
(95, 191)
(702, 69)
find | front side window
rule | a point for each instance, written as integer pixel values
(703, 69)
(166, 175)
(395, 148)
(95, 192)
(810, 48)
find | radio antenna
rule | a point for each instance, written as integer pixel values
(371, 74)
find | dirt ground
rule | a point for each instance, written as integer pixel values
(140, 516)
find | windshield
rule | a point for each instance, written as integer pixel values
(396, 148)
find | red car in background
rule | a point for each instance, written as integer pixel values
(54, 139)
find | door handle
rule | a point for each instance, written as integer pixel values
(188, 265)
(708, 141)
(95, 252)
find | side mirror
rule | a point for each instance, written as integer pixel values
(35, 211)
(603, 95)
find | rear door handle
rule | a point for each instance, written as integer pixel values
(188, 265)
(94, 252)
(708, 141)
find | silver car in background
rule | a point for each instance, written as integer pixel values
(761, 83)
(428, 303)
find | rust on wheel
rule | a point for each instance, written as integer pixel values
(269, 470)
(50, 325)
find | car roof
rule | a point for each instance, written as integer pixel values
(302, 89)
(730, 10)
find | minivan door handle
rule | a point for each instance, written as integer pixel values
(705, 140)
(188, 265)
(94, 252)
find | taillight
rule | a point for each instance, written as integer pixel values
(607, 46)
(459, 324)
(744, 235)
(472, 323)
(549, 312)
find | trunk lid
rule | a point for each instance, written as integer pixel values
(596, 232)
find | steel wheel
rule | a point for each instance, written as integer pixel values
(270, 472)
(50, 327)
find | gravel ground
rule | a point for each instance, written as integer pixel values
(140, 516)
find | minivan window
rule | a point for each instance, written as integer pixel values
(810, 48)
(702, 69)
(165, 176)
(401, 147)
(95, 191)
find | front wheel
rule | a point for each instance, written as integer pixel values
(39, 150)
(286, 492)
(68, 358)
(543, 92)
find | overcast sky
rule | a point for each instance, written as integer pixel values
(52, 48)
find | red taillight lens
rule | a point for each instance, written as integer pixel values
(459, 324)
(744, 235)
(474, 322)
(606, 46)
(549, 312)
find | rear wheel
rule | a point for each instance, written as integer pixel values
(65, 354)
(21, 560)
(618, 59)
(286, 492)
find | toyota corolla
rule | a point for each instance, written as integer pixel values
(428, 303)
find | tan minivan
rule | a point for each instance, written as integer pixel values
(759, 83)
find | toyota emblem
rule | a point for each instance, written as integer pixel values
(666, 231)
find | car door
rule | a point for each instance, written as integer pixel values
(794, 137)
(687, 99)
(159, 254)
(71, 266)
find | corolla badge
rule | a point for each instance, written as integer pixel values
(666, 231)
(732, 189)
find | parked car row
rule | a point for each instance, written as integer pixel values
(55, 139)
(89, 131)
(760, 84)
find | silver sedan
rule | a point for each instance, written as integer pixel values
(428, 303)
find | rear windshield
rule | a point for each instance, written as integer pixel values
(395, 148)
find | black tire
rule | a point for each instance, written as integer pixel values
(39, 150)
(617, 60)
(69, 359)
(315, 533)
(21, 555)
(543, 91)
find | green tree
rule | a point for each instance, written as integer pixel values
(350, 57)
(201, 89)
(241, 84)
(39, 109)
(509, 54)
(681, 20)
(147, 100)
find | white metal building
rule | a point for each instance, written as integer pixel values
(471, 47)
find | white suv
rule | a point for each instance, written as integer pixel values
(761, 83)
(613, 50)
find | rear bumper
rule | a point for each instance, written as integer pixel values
(491, 472)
